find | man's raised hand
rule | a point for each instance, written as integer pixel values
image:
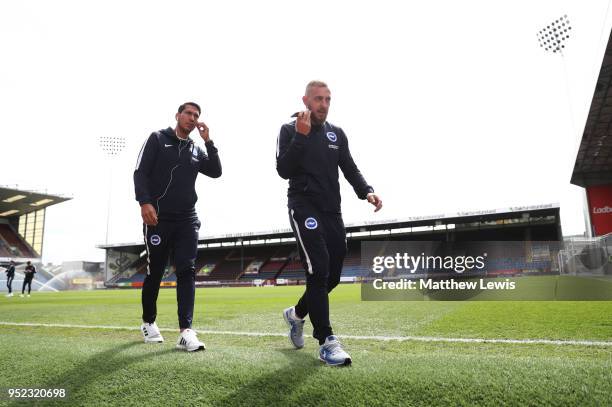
(302, 124)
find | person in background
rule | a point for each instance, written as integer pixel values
(28, 276)
(10, 276)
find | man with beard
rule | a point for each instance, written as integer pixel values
(164, 180)
(309, 152)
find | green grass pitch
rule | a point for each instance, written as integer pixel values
(113, 367)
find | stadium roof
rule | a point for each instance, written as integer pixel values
(438, 220)
(16, 202)
(594, 160)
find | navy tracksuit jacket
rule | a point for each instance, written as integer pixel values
(10, 275)
(165, 177)
(311, 163)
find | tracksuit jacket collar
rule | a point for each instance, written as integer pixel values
(169, 132)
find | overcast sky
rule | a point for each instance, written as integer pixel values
(449, 106)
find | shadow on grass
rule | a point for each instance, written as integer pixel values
(98, 366)
(278, 387)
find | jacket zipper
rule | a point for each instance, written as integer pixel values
(171, 174)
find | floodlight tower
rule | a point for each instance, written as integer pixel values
(554, 38)
(112, 146)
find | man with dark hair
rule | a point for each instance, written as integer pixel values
(192, 104)
(309, 152)
(28, 276)
(10, 276)
(164, 181)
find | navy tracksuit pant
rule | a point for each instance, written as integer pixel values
(321, 240)
(27, 281)
(179, 239)
(9, 283)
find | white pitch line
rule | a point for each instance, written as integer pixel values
(356, 337)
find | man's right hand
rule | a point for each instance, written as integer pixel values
(302, 124)
(149, 215)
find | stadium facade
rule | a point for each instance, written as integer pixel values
(593, 166)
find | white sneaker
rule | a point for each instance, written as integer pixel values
(21, 295)
(151, 333)
(188, 340)
(28, 295)
(9, 295)
(332, 353)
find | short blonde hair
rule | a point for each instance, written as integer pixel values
(315, 84)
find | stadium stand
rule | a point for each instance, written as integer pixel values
(22, 223)
(276, 263)
(125, 273)
(294, 269)
(271, 269)
(4, 249)
(226, 270)
(14, 244)
(208, 262)
(352, 264)
(254, 258)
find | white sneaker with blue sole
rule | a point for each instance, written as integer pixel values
(296, 328)
(332, 354)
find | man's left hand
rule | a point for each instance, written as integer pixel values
(203, 129)
(374, 200)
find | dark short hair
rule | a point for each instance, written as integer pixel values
(192, 104)
(29, 262)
